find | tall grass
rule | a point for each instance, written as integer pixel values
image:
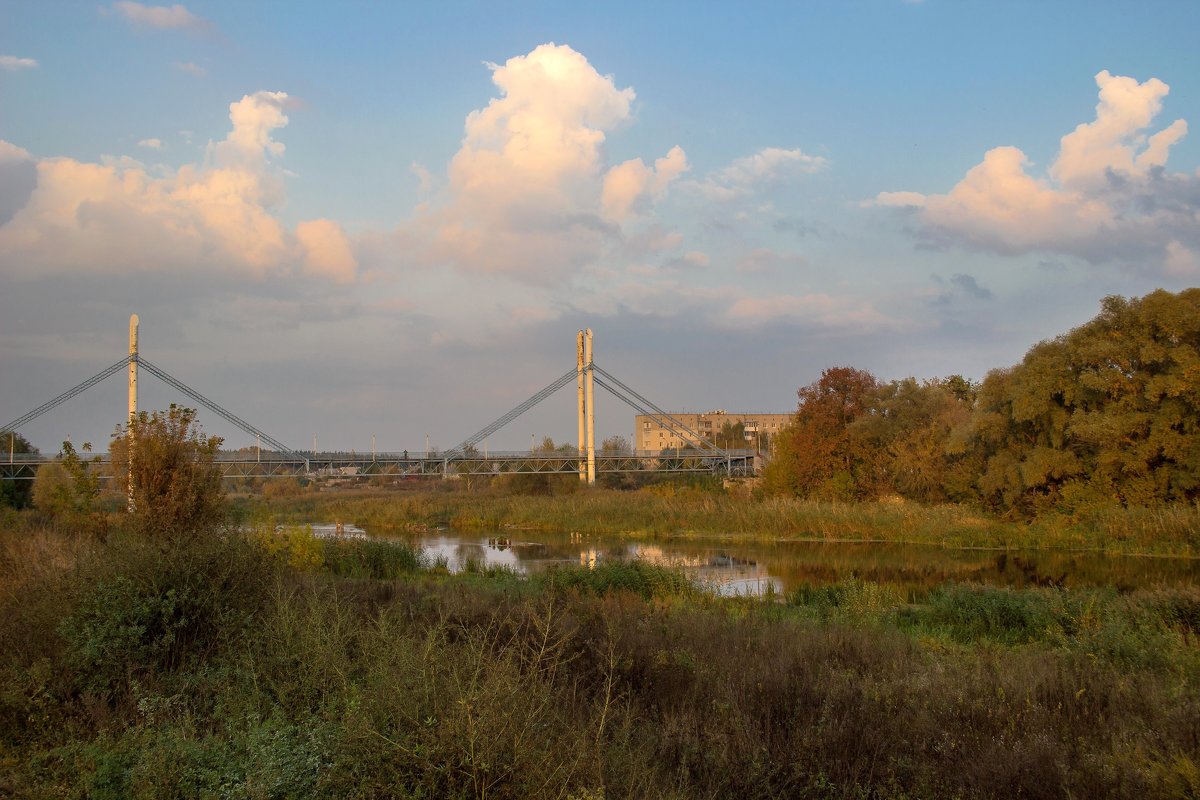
(237, 673)
(697, 512)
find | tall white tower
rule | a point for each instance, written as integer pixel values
(133, 405)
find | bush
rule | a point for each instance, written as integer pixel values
(970, 613)
(639, 577)
(366, 558)
(142, 609)
(176, 484)
(852, 599)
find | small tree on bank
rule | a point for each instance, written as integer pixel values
(17, 494)
(68, 489)
(176, 484)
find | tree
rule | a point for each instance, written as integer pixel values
(542, 483)
(616, 445)
(16, 494)
(732, 436)
(176, 484)
(816, 456)
(68, 488)
(1109, 412)
(911, 440)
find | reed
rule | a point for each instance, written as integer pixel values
(693, 512)
(220, 669)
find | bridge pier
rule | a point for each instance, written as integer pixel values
(591, 409)
(584, 381)
(133, 405)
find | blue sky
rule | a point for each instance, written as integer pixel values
(360, 218)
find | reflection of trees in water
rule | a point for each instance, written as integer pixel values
(922, 569)
(467, 552)
(911, 567)
(1027, 571)
(726, 560)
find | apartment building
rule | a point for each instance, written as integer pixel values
(654, 434)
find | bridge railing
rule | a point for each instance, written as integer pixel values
(351, 463)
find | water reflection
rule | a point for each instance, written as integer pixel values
(755, 568)
(337, 530)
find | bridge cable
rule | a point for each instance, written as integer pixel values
(632, 404)
(275, 444)
(717, 452)
(67, 395)
(675, 426)
(483, 433)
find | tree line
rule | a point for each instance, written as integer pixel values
(1108, 413)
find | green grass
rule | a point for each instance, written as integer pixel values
(645, 580)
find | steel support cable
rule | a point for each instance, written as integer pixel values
(641, 410)
(218, 410)
(482, 434)
(67, 395)
(663, 415)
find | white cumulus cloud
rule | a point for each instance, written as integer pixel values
(327, 250)
(1107, 195)
(1115, 144)
(114, 216)
(530, 193)
(632, 184)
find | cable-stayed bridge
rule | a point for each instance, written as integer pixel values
(272, 458)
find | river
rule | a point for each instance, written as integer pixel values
(753, 567)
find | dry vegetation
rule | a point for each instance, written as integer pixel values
(211, 667)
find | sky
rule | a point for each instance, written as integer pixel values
(385, 222)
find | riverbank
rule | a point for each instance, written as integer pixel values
(672, 512)
(352, 669)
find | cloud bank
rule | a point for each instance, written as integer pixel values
(530, 193)
(529, 216)
(117, 217)
(1107, 196)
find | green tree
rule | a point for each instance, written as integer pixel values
(16, 494)
(176, 484)
(732, 436)
(69, 487)
(1109, 412)
(911, 440)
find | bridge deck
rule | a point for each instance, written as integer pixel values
(23, 466)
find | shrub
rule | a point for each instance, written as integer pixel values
(175, 483)
(367, 558)
(639, 577)
(143, 609)
(971, 613)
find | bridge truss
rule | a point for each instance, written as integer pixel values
(23, 466)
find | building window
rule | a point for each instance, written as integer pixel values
(646, 426)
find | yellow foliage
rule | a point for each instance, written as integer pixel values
(295, 545)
